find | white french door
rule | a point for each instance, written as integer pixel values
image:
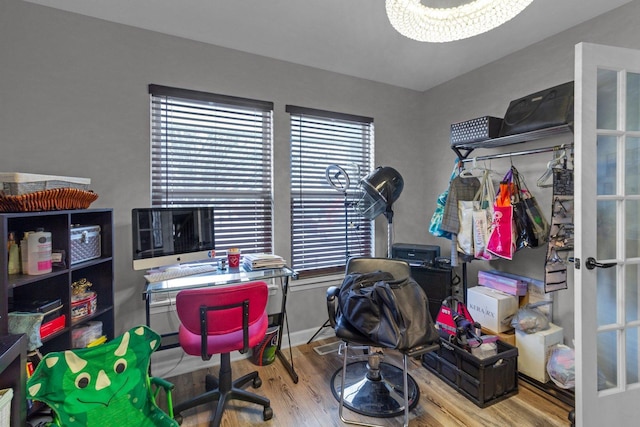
(607, 240)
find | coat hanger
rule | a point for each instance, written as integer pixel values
(475, 171)
(558, 162)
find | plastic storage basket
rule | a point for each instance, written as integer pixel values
(482, 381)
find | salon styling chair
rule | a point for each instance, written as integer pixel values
(372, 387)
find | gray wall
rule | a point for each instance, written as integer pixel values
(488, 90)
(73, 101)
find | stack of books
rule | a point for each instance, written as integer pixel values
(258, 261)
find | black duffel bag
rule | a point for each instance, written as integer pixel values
(547, 108)
(392, 313)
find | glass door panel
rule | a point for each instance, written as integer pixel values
(607, 99)
(607, 297)
(631, 166)
(633, 102)
(631, 300)
(607, 360)
(607, 164)
(607, 229)
(631, 340)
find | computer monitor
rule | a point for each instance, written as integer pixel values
(167, 236)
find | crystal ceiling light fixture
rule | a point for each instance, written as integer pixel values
(416, 21)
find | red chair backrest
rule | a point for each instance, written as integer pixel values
(219, 322)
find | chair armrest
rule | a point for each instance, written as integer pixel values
(156, 385)
(332, 294)
(160, 382)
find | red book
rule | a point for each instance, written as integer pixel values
(52, 326)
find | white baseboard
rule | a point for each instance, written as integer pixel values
(173, 362)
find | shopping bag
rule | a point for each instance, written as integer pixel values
(482, 217)
(436, 219)
(532, 228)
(501, 240)
(466, 209)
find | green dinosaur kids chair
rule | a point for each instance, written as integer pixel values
(107, 385)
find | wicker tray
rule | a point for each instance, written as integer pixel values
(48, 200)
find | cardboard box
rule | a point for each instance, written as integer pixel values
(502, 282)
(534, 350)
(491, 308)
(508, 336)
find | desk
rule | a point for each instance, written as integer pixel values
(231, 276)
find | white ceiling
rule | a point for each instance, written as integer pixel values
(351, 37)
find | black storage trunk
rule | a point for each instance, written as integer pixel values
(483, 381)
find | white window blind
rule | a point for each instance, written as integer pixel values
(215, 150)
(321, 238)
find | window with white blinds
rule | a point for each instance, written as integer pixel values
(215, 150)
(325, 228)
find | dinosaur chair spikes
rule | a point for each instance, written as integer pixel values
(107, 385)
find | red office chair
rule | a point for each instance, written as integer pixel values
(219, 320)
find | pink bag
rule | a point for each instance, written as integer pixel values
(502, 238)
(501, 241)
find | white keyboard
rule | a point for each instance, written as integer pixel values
(174, 273)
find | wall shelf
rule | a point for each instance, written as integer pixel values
(510, 140)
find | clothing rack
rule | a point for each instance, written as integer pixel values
(497, 156)
(519, 153)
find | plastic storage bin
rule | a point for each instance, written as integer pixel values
(482, 381)
(81, 336)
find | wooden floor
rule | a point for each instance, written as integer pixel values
(311, 403)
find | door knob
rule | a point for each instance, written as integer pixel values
(592, 263)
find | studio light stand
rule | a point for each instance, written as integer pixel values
(338, 179)
(378, 191)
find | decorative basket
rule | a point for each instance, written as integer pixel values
(475, 130)
(48, 200)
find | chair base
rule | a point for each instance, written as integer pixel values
(380, 398)
(222, 390)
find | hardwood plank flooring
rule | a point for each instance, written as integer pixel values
(310, 403)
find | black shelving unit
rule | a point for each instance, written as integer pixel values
(57, 283)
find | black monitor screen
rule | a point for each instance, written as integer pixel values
(164, 236)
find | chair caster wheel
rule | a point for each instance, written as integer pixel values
(257, 382)
(267, 414)
(178, 418)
